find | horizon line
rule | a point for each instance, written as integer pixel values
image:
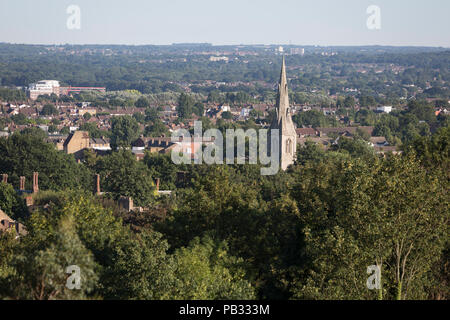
(225, 45)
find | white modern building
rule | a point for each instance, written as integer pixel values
(43, 87)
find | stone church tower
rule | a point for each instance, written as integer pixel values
(283, 122)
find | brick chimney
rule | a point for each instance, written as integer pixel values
(35, 182)
(130, 204)
(5, 178)
(97, 178)
(22, 183)
(157, 184)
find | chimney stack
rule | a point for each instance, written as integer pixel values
(35, 182)
(22, 183)
(5, 178)
(157, 184)
(97, 176)
(130, 204)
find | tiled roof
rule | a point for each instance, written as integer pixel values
(99, 140)
(306, 131)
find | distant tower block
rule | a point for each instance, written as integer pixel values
(5, 178)
(35, 182)
(22, 183)
(97, 179)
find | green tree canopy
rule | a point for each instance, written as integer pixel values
(124, 130)
(122, 175)
(49, 110)
(23, 154)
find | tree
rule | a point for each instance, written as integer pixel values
(140, 269)
(387, 212)
(354, 147)
(87, 116)
(156, 129)
(366, 101)
(52, 128)
(142, 102)
(35, 132)
(225, 203)
(422, 111)
(66, 130)
(11, 203)
(8, 247)
(41, 274)
(96, 226)
(123, 175)
(365, 117)
(25, 153)
(349, 102)
(162, 167)
(312, 118)
(139, 117)
(19, 119)
(205, 271)
(434, 151)
(382, 130)
(124, 130)
(187, 106)
(228, 115)
(94, 131)
(151, 114)
(56, 121)
(215, 96)
(310, 152)
(49, 110)
(362, 134)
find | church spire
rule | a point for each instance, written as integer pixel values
(283, 122)
(283, 94)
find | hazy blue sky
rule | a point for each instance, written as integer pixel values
(304, 22)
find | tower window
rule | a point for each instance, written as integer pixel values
(289, 146)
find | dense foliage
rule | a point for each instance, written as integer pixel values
(227, 232)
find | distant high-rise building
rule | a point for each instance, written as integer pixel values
(283, 122)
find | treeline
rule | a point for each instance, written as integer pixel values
(228, 232)
(156, 70)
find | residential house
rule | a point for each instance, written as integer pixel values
(6, 224)
(58, 141)
(77, 141)
(306, 132)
